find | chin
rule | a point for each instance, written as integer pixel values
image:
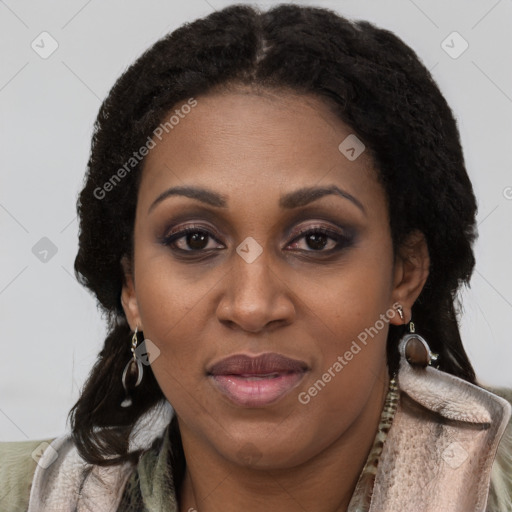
(265, 451)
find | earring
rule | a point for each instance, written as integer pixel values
(415, 349)
(400, 310)
(132, 372)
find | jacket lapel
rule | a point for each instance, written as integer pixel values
(441, 445)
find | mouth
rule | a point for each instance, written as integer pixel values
(256, 381)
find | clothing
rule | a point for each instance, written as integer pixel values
(439, 455)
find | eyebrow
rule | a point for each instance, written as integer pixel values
(306, 195)
(202, 194)
(295, 199)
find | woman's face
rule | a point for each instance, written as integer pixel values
(288, 255)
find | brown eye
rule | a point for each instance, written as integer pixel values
(317, 241)
(321, 240)
(197, 240)
(190, 239)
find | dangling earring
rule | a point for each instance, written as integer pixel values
(414, 348)
(132, 372)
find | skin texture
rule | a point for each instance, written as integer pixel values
(252, 147)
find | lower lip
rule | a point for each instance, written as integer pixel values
(251, 392)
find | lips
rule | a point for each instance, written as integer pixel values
(240, 364)
(256, 381)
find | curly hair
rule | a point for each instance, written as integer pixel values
(370, 79)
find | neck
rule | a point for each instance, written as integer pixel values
(213, 484)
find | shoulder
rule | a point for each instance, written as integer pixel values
(500, 492)
(18, 462)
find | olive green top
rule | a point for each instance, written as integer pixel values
(17, 467)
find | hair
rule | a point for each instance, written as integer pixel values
(370, 79)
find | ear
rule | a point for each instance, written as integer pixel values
(128, 296)
(410, 274)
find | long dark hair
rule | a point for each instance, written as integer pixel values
(371, 80)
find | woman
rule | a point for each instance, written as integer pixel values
(275, 203)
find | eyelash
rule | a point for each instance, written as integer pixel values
(342, 240)
(173, 237)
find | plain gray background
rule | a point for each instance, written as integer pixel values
(50, 328)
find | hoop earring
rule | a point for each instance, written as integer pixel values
(132, 373)
(415, 350)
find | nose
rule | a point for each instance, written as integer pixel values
(255, 298)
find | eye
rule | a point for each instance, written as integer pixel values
(190, 239)
(318, 238)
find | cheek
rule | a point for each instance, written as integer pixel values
(355, 309)
(175, 308)
(352, 297)
(168, 293)
(169, 322)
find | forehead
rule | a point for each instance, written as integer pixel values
(253, 143)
